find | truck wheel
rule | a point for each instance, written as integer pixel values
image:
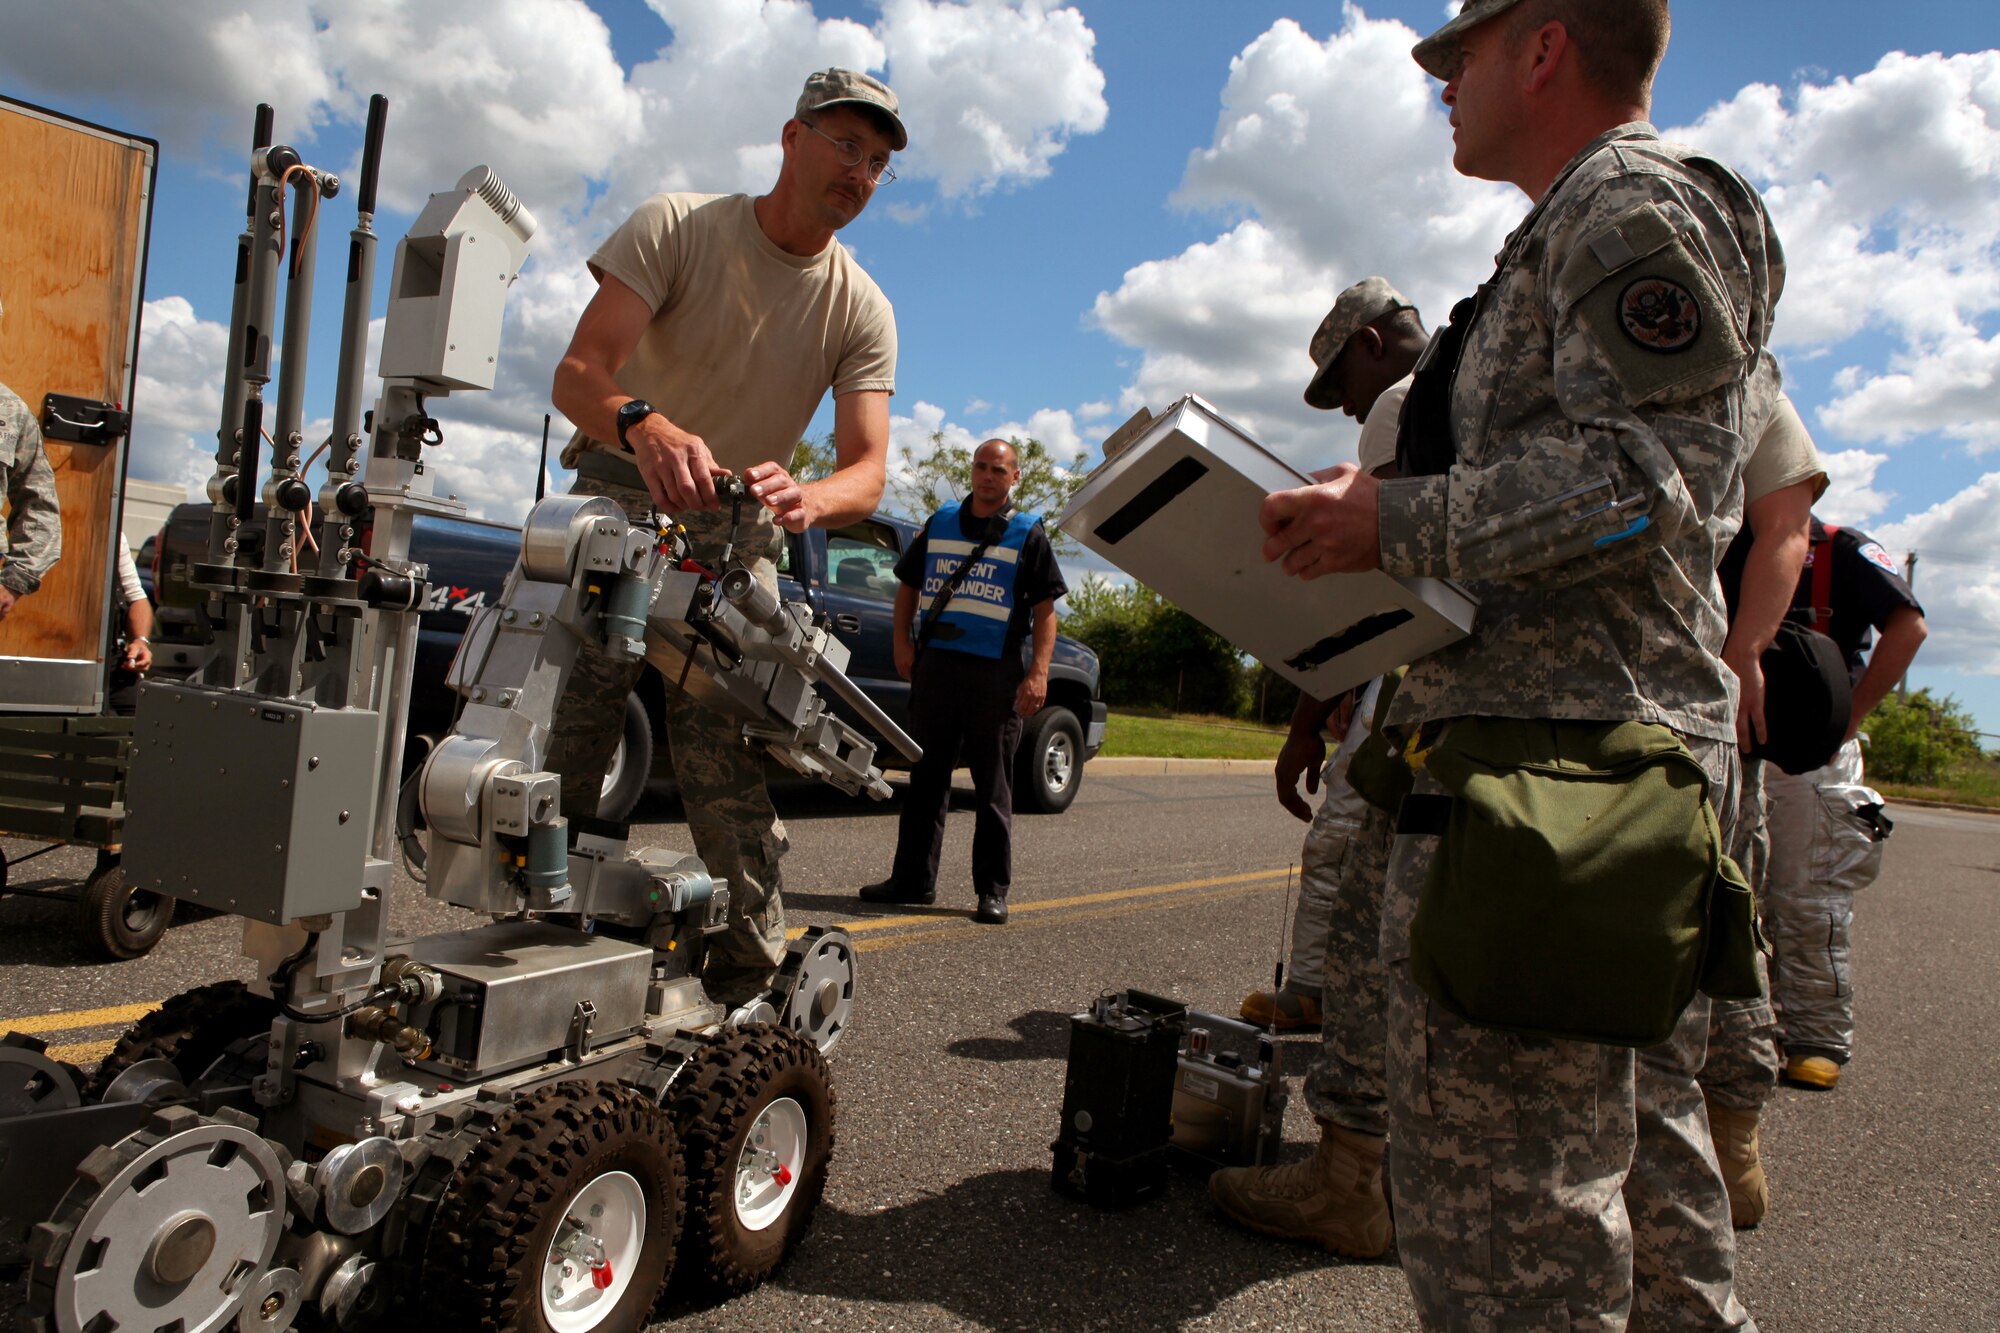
(563, 1219)
(756, 1122)
(192, 1030)
(117, 920)
(1049, 768)
(625, 779)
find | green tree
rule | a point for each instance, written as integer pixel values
(945, 474)
(1919, 738)
(813, 460)
(1153, 654)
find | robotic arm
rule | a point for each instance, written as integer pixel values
(501, 844)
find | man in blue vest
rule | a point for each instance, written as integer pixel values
(977, 659)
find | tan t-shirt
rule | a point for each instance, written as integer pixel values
(1784, 456)
(746, 339)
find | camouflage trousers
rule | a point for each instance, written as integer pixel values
(1825, 848)
(1346, 1084)
(1341, 814)
(1742, 1066)
(1551, 1184)
(737, 833)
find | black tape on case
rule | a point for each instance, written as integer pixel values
(1157, 495)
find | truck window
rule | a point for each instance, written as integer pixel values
(861, 559)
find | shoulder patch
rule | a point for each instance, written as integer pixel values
(1873, 553)
(1659, 315)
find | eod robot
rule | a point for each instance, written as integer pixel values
(524, 1125)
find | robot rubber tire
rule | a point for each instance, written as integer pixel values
(563, 1219)
(191, 1030)
(756, 1119)
(117, 920)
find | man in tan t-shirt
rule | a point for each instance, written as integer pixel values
(720, 322)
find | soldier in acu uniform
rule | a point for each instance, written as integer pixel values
(719, 323)
(1580, 467)
(1362, 355)
(32, 540)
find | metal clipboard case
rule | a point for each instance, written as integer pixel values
(1177, 510)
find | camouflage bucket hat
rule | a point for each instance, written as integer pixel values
(1354, 309)
(1438, 53)
(832, 87)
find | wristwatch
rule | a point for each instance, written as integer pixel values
(631, 413)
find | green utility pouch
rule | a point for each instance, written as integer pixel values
(1376, 771)
(1579, 890)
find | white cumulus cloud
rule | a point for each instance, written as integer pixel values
(1886, 190)
(1331, 159)
(993, 90)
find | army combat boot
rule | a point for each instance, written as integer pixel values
(1735, 1133)
(1333, 1198)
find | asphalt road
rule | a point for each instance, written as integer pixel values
(938, 1215)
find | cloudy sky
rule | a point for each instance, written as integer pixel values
(1105, 204)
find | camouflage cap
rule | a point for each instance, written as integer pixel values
(832, 87)
(1438, 53)
(1360, 305)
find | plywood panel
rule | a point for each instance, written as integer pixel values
(69, 248)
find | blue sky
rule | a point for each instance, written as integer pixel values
(1106, 203)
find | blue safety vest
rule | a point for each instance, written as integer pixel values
(975, 619)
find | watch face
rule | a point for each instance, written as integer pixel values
(630, 413)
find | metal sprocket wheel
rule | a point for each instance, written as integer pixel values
(31, 1080)
(170, 1227)
(816, 984)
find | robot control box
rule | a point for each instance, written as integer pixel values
(1177, 510)
(1229, 1101)
(283, 792)
(1118, 1098)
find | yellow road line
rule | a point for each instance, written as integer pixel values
(1052, 904)
(1232, 884)
(82, 1018)
(83, 1052)
(967, 930)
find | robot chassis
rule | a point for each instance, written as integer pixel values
(522, 1125)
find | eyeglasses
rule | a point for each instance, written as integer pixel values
(850, 155)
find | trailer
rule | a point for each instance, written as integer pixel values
(74, 256)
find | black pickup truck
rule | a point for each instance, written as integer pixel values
(846, 574)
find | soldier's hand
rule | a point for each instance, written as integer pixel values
(906, 656)
(1749, 700)
(1331, 528)
(678, 467)
(779, 493)
(1300, 756)
(7, 600)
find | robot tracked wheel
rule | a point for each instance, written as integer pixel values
(121, 1252)
(814, 989)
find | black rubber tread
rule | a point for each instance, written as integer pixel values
(193, 1030)
(101, 921)
(637, 738)
(491, 1231)
(714, 1103)
(1031, 790)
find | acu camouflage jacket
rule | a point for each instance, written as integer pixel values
(33, 537)
(1614, 368)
